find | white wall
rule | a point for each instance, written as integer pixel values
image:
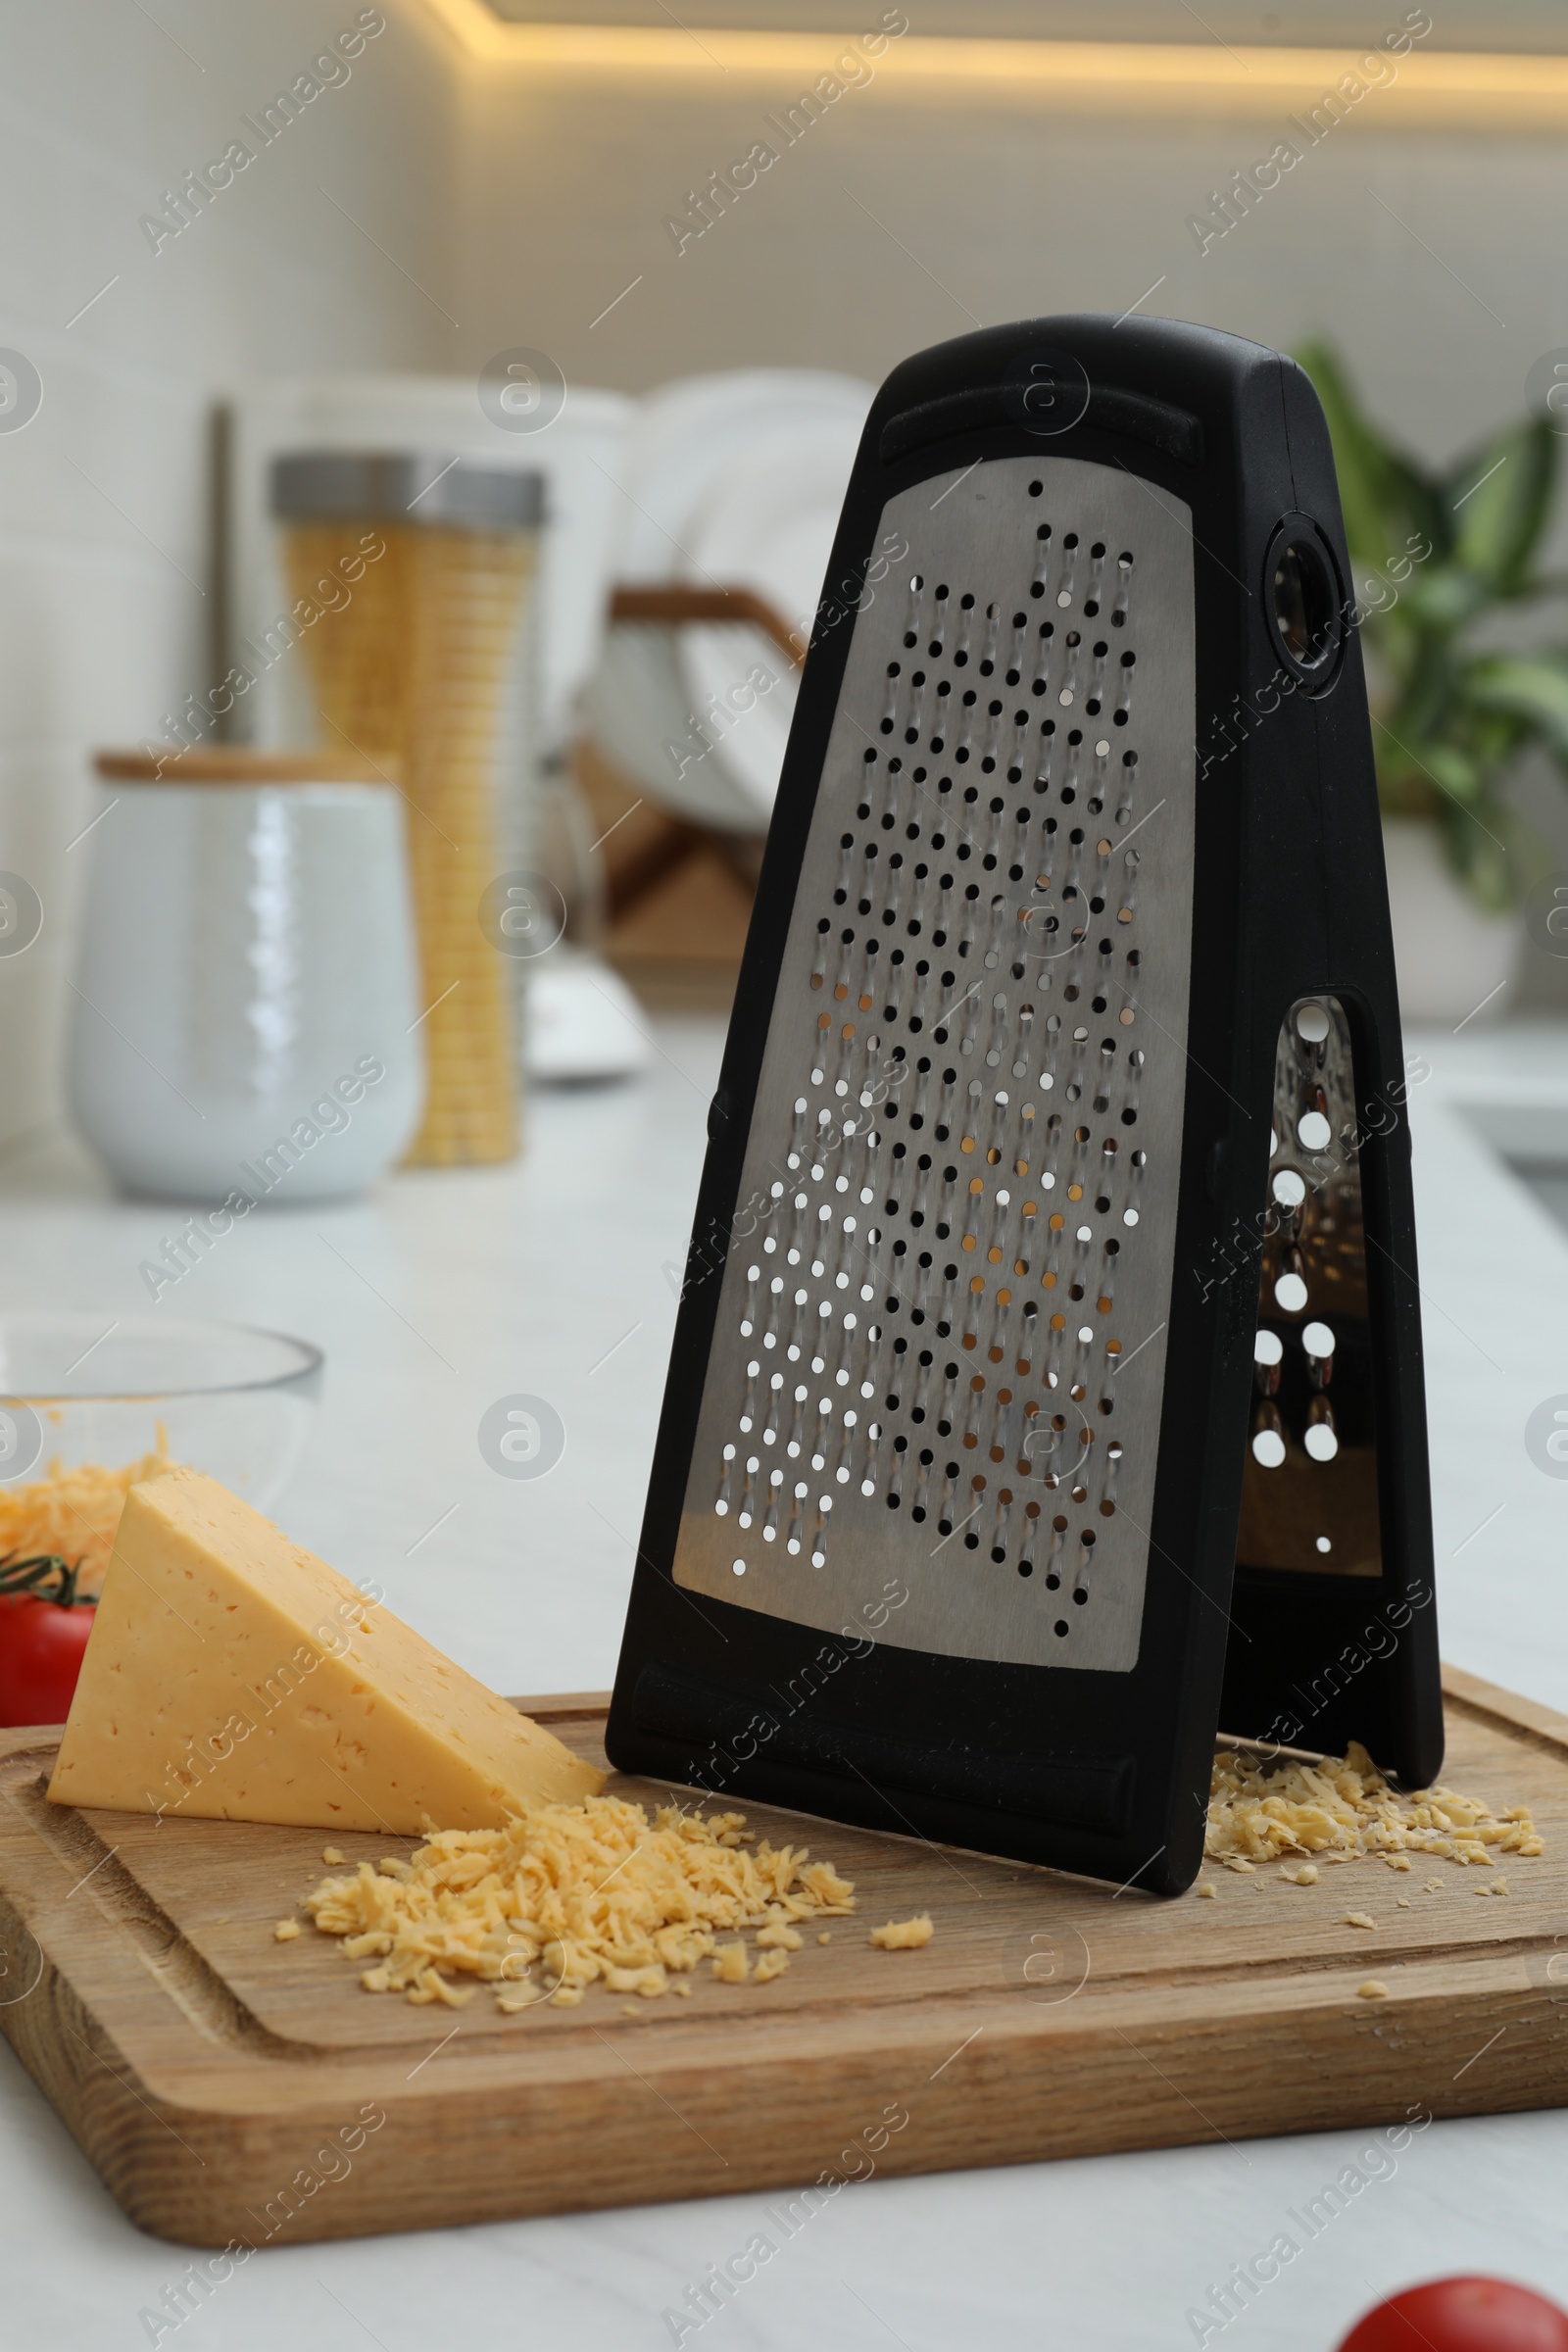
(105, 556)
(994, 210)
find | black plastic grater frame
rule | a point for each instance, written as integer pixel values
(1122, 974)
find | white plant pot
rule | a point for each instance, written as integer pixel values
(1455, 961)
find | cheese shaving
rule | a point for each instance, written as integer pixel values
(73, 1513)
(569, 1895)
(905, 1934)
(1342, 1808)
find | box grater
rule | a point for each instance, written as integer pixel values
(1046, 1391)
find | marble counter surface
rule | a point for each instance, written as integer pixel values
(556, 1278)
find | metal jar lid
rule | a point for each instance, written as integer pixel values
(321, 485)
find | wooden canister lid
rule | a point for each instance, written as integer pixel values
(237, 764)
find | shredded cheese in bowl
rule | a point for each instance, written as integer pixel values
(73, 1513)
(569, 1895)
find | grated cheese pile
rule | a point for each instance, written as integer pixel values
(1344, 1807)
(568, 1895)
(73, 1513)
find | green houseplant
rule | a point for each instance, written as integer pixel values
(1446, 566)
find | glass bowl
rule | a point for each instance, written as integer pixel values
(107, 1389)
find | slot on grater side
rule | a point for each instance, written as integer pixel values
(962, 1521)
(1309, 1498)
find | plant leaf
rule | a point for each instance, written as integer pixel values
(1428, 688)
(1531, 688)
(1499, 498)
(1434, 555)
(1478, 854)
(1442, 597)
(1385, 497)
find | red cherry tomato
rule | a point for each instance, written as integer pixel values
(1462, 2315)
(40, 1657)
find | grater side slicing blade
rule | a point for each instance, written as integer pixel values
(1046, 1382)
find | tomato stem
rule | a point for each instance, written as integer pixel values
(31, 1575)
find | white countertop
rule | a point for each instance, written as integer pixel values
(556, 1278)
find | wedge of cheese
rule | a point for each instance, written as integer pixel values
(233, 1676)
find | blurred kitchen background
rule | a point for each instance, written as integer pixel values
(615, 290)
(488, 179)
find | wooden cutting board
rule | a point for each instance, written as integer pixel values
(231, 2088)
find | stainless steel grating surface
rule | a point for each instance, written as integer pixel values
(940, 1350)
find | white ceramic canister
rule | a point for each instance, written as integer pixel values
(245, 1011)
